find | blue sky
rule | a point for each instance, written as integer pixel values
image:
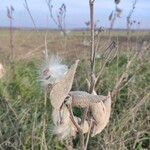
(77, 13)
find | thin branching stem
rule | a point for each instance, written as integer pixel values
(29, 12)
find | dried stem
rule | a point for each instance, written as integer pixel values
(107, 57)
(72, 118)
(112, 22)
(124, 75)
(88, 136)
(61, 16)
(92, 59)
(91, 3)
(46, 50)
(29, 12)
(10, 16)
(129, 23)
(50, 6)
(98, 39)
(34, 127)
(81, 135)
(43, 140)
(11, 40)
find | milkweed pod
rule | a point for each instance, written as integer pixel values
(84, 99)
(101, 114)
(63, 126)
(61, 89)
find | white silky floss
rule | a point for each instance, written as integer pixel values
(53, 72)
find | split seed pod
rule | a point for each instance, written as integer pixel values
(99, 105)
(101, 115)
(84, 99)
(61, 89)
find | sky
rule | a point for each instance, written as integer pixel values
(77, 13)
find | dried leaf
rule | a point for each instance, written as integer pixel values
(110, 16)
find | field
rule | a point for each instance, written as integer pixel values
(22, 99)
(30, 44)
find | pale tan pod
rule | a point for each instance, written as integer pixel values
(101, 113)
(99, 105)
(65, 128)
(98, 111)
(61, 89)
(56, 116)
(84, 99)
(85, 126)
(79, 99)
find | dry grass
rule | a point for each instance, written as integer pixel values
(22, 104)
(30, 44)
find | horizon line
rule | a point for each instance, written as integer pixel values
(73, 28)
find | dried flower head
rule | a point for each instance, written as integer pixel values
(9, 13)
(12, 8)
(117, 1)
(87, 23)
